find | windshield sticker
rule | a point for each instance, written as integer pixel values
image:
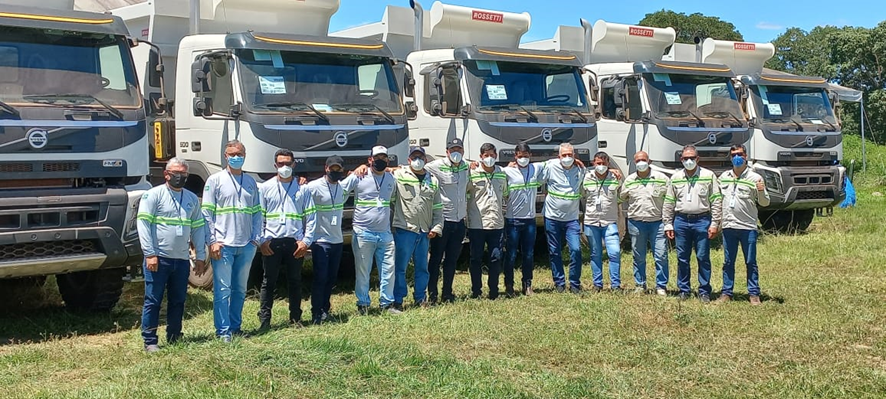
(662, 77)
(496, 92)
(673, 98)
(774, 109)
(261, 55)
(816, 121)
(488, 66)
(272, 84)
(763, 95)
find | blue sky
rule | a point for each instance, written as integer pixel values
(757, 20)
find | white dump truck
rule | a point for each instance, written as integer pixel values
(645, 103)
(796, 143)
(265, 72)
(73, 151)
(473, 82)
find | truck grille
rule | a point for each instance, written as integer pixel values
(813, 180)
(16, 167)
(815, 195)
(61, 166)
(44, 249)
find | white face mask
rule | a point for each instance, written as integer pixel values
(284, 172)
(489, 162)
(567, 161)
(455, 157)
(689, 164)
(601, 169)
(642, 166)
(417, 164)
(523, 162)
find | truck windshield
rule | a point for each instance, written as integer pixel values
(42, 66)
(286, 81)
(784, 104)
(497, 85)
(678, 96)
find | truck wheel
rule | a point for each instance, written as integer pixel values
(787, 222)
(802, 219)
(93, 291)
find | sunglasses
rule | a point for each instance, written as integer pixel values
(688, 158)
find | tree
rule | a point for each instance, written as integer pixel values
(688, 26)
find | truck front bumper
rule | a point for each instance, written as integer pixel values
(800, 188)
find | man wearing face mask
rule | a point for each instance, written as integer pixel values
(234, 221)
(644, 191)
(520, 228)
(743, 190)
(324, 200)
(418, 218)
(282, 246)
(452, 172)
(486, 190)
(691, 214)
(372, 238)
(563, 178)
(601, 189)
(169, 220)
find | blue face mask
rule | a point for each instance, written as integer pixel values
(738, 161)
(236, 162)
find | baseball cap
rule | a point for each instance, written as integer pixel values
(455, 142)
(334, 160)
(379, 149)
(415, 149)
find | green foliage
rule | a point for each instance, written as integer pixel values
(688, 26)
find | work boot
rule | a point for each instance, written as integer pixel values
(704, 298)
(527, 289)
(265, 325)
(724, 298)
(755, 300)
(561, 289)
(152, 348)
(684, 296)
(362, 310)
(509, 291)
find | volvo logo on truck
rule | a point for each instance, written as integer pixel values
(547, 135)
(341, 139)
(38, 138)
(712, 138)
(810, 141)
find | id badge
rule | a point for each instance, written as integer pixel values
(282, 218)
(688, 194)
(489, 192)
(378, 202)
(334, 221)
(179, 231)
(598, 200)
(732, 200)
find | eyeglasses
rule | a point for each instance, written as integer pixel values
(641, 160)
(282, 164)
(688, 158)
(741, 154)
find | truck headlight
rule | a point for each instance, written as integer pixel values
(772, 180)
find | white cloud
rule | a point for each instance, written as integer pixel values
(769, 26)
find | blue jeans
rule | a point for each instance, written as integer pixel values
(229, 276)
(414, 246)
(519, 235)
(367, 246)
(445, 249)
(692, 232)
(570, 232)
(485, 242)
(748, 241)
(326, 258)
(171, 274)
(597, 238)
(643, 233)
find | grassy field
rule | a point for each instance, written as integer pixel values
(819, 333)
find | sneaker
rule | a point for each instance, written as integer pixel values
(362, 310)
(152, 348)
(296, 324)
(265, 325)
(226, 339)
(317, 321)
(561, 289)
(509, 291)
(596, 290)
(661, 292)
(639, 290)
(397, 306)
(527, 289)
(704, 298)
(755, 300)
(724, 298)
(616, 290)
(324, 316)
(392, 310)
(422, 304)
(684, 296)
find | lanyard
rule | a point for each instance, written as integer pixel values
(331, 195)
(283, 195)
(378, 183)
(178, 205)
(527, 174)
(239, 186)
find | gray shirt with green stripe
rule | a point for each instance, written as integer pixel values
(232, 210)
(453, 187)
(740, 199)
(168, 221)
(372, 201)
(601, 199)
(324, 209)
(283, 208)
(522, 192)
(486, 191)
(564, 191)
(692, 195)
(645, 195)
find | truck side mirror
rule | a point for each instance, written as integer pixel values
(411, 110)
(164, 138)
(155, 69)
(408, 84)
(202, 106)
(201, 72)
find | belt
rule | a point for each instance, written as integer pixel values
(695, 216)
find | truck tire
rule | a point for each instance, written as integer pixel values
(92, 291)
(787, 222)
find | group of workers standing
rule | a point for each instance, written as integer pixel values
(420, 213)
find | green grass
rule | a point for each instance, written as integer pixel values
(819, 333)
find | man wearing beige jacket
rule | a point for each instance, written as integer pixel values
(486, 223)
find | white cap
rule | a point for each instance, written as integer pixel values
(379, 149)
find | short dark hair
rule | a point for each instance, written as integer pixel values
(739, 147)
(522, 147)
(283, 152)
(604, 156)
(487, 147)
(689, 147)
